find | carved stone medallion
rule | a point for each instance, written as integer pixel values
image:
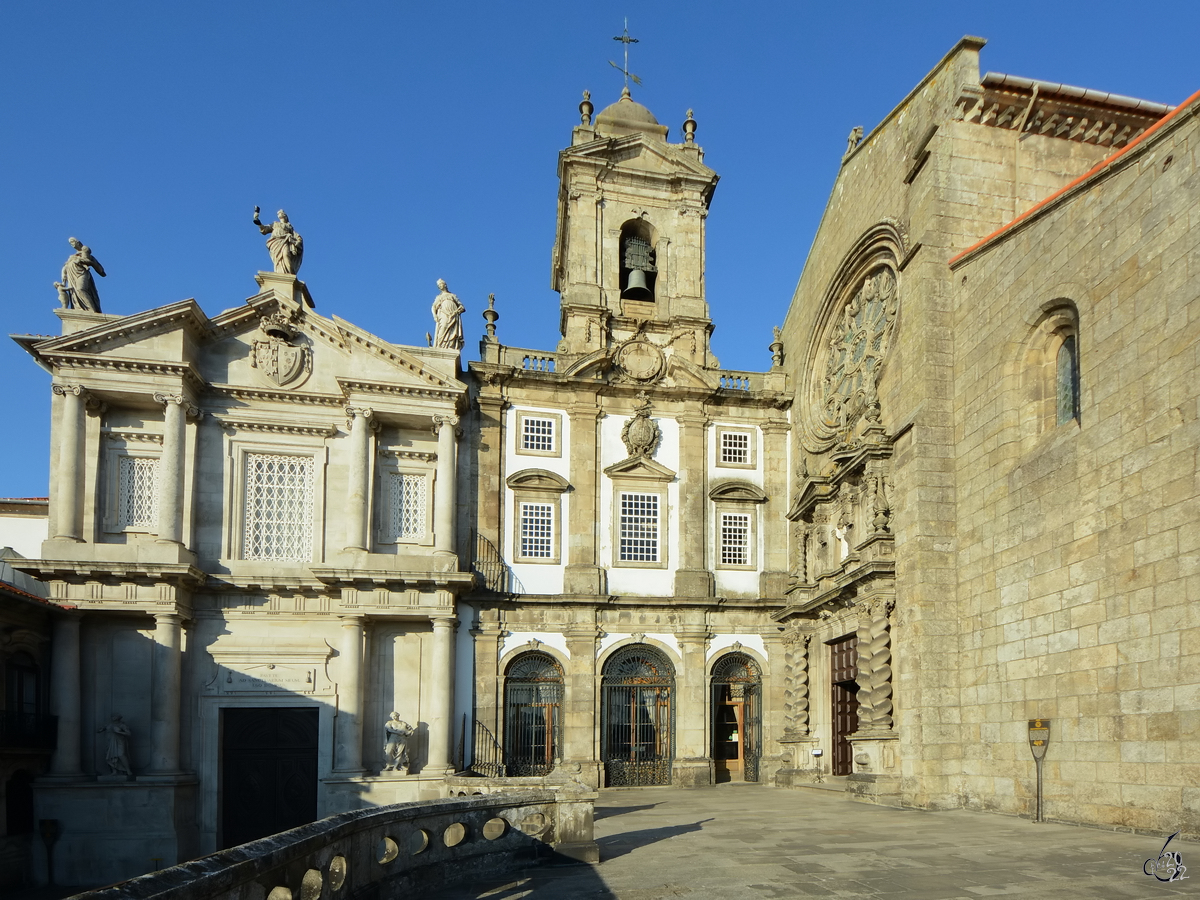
(640, 360)
(275, 352)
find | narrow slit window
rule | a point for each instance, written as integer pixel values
(639, 528)
(1068, 381)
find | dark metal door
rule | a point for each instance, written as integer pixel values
(638, 724)
(268, 771)
(533, 692)
(843, 672)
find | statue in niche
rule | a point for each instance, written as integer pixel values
(285, 246)
(77, 284)
(116, 752)
(395, 747)
(447, 315)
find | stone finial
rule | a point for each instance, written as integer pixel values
(689, 129)
(586, 109)
(490, 316)
(776, 348)
(853, 139)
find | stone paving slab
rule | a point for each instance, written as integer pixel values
(750, 841)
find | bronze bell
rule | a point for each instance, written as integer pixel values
(636, 287)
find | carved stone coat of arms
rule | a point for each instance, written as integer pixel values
(276, 354)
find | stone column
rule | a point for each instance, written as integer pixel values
(693, 578)
(164, 693)
(64, 695)
(795, 692)
(693, 762)
(875, 668)
(580, 716)
(170, 469)
(445, 495)
(583, 575)
(773, 582)
(68, 475)
(349, 726)
(441, 718)
(358, 490)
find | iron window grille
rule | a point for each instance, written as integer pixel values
(278, 521)
(533, 696)
(638, 725)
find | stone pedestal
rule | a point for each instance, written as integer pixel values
(798, 765)
(112, 831)
(288, 288)
(692, 771)
(876, 775)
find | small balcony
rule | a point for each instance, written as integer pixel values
(27, 731)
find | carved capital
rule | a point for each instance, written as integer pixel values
(63, 389)
(439, 421)
(160, 397)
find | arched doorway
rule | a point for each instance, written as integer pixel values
(533, 695)
(736, 718)
(638, 724)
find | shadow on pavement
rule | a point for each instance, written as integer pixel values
(617, 845)
(606, 812)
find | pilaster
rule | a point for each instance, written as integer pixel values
(693, 578)
(349, 722)
(583, 574)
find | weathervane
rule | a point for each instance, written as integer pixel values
(625, 39)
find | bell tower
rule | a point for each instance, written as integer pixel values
(629, 248)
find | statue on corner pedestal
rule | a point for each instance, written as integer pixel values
(78, 289)
(447, 314)
(116, 753)
(285, 246)
(395, 747)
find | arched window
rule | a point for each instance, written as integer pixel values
(533, 695)
(1067, 380)
(639, 271)
(23, 694)
(638, 710)
(736, 718)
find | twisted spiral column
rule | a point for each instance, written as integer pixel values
(795, 694)
(875, 668)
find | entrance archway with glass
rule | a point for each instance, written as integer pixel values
(533, 696)
(736, 718)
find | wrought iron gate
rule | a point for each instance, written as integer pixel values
(638, 724)
(533, 693)
(737, 714)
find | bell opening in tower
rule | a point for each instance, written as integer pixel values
(638, 270)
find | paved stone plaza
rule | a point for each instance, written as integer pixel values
(739, 841)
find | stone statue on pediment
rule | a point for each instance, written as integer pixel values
(395, 746)
(77, 284)
(447, 315)
(285, 246)
(116, 751)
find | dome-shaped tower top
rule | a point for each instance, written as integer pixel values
(627, 116)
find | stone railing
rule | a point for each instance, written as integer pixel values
(529, 360)
(740, 381)
(387, 851)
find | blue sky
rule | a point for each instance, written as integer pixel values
(411, 142)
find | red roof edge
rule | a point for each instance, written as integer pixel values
(1104, 163)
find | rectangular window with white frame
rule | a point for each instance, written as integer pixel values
(736, 448)
(277, 513)
(639, 528)
(539, 434)
(407, 503)
(537, 531)
(735, 539)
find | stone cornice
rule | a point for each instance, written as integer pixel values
(244, 392)
(311, 429)
(78, 571)
(105, 363)
(186, 313)
(354, 385)
(356, 337)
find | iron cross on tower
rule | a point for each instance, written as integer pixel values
(625, 39)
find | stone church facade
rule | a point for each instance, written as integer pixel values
(962, 497)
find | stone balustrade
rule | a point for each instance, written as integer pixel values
(384, 851)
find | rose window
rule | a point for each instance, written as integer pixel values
(856, 350)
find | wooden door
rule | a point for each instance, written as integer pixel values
(844, 700)
(268, 771)
(729, 742)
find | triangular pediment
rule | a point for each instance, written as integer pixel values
(113, 333)
(687, 374)
(640, 467)
(638, 151)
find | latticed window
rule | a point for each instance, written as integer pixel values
(638, 528)
(537, 530)
(407, 499)
(735, 539)
(735, 448)
(537, 434)
(279, 507)
(137, 492)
